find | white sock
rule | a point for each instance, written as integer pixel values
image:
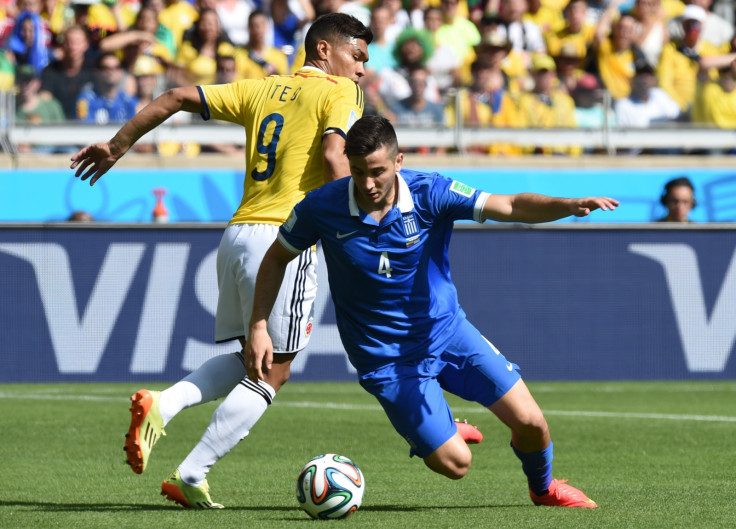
(214, 379)
(231, 422)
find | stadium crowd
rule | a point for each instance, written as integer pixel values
(498, 63)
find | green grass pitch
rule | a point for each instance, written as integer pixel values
(652, 454)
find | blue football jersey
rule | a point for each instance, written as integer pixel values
(390, 282)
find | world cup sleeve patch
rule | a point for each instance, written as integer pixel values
(461, 189)
(289, 224)
(351, 119)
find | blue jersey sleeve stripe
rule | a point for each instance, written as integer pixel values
(478, 208)
(206, 115)
(287, 245)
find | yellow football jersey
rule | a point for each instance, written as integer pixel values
(285, 118)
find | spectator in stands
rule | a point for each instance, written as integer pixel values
(290, 20)
(33, 107)
(486, 103)
(195, 62)
(355, 8)
(682, 60)
(150, 82)
(97, 18)
(651, 29)
(590, 111)
(716, 31)
(547, 105)
(163, 34)
(525, 37)
(496, 48)
(398, 19)
(141, 39)
(104, 102)
(66, 77)
(457, 33)
(415, 110)
(679, 199)
(647, 104)
(412, 50)
(233, 14)
(416, 9)
(575, 39)
(9, 21)
(443, 64)
(616, 53)
(716, 100)
(380, 50)
(546, 17)
(178, 16)
(28, 42)
(258, 59)
(569, 60)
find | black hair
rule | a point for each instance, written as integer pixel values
(369, 134)
(257, 13)
(335, 27)
(680, 181)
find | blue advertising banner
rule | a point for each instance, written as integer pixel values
(212, 195)
(565, 303)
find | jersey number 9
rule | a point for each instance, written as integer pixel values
(268, 149)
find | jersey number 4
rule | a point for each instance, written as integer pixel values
(268, 149)
(384, 265)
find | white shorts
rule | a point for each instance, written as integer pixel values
(239, 256)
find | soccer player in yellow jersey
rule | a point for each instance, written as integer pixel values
(295, 137)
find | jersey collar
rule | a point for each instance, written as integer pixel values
(405, 203)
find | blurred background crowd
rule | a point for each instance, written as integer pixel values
(488, 63)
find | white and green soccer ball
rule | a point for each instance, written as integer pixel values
(330, 486)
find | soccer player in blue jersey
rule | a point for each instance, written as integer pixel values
(385, 233)
(295, 129)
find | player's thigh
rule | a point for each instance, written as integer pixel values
(291, 320)
(475, 369)
(238, 260)
(239, 256)
(416, 406)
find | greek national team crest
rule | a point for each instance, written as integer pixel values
(411, 230)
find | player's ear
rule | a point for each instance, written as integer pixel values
(323, 49)
(398, 162)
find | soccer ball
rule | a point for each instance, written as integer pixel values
(330, 486)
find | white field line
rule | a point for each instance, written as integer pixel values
(377, 408)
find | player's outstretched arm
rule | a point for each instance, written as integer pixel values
(95, 160)
(533, 208)
(258, 350)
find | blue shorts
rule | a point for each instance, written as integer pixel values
(411, 393)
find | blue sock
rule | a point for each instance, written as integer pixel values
(538, 468)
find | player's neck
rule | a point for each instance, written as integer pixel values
(378, 210)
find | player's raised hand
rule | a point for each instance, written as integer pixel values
(93, 161)
(583, 206)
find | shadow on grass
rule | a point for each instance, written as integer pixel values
(117, 507)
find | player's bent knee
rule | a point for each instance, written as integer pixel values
(280, 370)
(452, 459)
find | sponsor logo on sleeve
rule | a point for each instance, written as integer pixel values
(289, 224)
(461, 189)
